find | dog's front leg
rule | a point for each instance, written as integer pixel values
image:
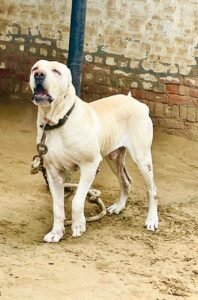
(56, 185)
(87, 175)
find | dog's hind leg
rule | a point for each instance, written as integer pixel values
(140, 151)
(116, 161)
(145, 166)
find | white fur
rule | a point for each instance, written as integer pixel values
(105, 128)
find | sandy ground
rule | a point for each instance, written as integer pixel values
(116, 258)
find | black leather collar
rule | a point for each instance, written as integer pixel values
(60, 122)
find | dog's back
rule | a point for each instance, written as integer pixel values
(122, 118)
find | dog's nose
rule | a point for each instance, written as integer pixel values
(39, 77)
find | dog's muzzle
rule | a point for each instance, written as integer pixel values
(40, 96)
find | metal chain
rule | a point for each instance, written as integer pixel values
(38, 162)
(38, 165)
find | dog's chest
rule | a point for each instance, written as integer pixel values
(60, 153)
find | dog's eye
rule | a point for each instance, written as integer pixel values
(34, 69)
(56, 71)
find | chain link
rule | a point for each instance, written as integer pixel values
(38, 162)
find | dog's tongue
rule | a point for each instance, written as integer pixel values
(42, 93)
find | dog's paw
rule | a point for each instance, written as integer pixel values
(151, 221)
(53, 236)
(78, 227)
(116, 208)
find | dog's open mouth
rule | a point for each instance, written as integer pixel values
(41, 96)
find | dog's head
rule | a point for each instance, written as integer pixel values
(49, 81)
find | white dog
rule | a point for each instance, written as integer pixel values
(104, 128)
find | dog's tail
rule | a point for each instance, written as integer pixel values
(129, 94)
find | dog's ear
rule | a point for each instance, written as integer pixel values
(69, 76)
(70, 86)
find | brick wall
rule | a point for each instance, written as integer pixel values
(149, 47)
(18, 54)
(29, 31)
(172, 99)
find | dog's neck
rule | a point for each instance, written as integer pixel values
(53, 113)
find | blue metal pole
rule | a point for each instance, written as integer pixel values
(76, 41)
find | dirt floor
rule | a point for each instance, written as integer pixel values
(116, 258)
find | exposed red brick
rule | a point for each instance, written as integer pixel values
(15, 57)
(88, 77)
(102, 79)
(183, 90)
(90, 88)
(172, 88)
(11, 48)
(102, 70)
(136, 93)
(149, 95)
(183, 112)
(26, 69)
(25, 88)
(152, 96)
(30, 60)
(171, 123)
(159, 110)
(167, 110)
(193, 92)
(191, 126)
(108, 90)
(88, 68)
(22, 76)
(89, 97)
(6, 73)
(178, 99)
(6, 85)
(191, 114)
(195, 102)
(191, 81)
